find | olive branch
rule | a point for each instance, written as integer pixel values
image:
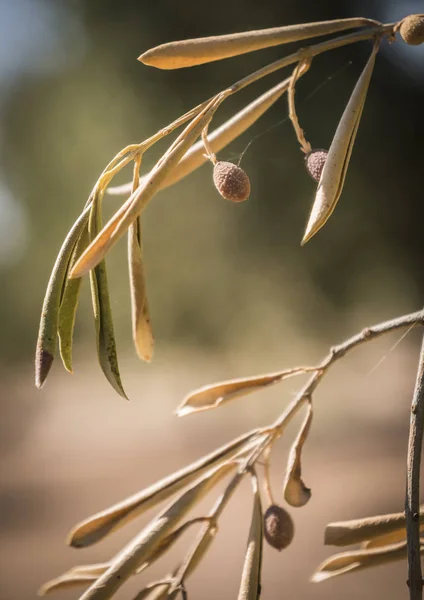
(384, 538)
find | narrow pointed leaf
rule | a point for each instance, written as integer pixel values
(295, 491)
(129, 211)
(212, 396)
(332, 178)
(250, 586)
(97, 527)
(75, 577)
(390, 538)
(47, 336)
(356, 560)
(144, 545)
(188, 53)
(141, 323)
(356, 531)
(105, 337)
(69, 305)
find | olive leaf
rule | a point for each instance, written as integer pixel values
(295, 491)
(47, 336)
(188, 53)
(356, 531)
(105, 337)
(333, 175)
(356, 560)
(141, 322)
(250, 585)
(69, 305)
(97, 527)
(145, 544)
(75, 577)
(215, 395)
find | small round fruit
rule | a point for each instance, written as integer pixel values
(412, 30)
(315, 161)
(231, 181)
(278, 527)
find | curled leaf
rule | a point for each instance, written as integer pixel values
(129, 211)
(145, 544)
(217, 394)
(333, 175)
(75, 577)
(356, 531)
(295, 491)
(69, 305)
(47, 336)
(100, 525)
(188, 53)
(105, 337)
(356, 560)
(141, 323)
(250, 585)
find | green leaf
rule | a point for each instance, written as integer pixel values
(69, 305)
(105, 337)
(47, 336)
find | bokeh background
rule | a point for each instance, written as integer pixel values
(231, 291)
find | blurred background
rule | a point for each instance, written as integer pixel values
(231, 291)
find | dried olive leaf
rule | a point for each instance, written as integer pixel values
(144, 545)
(356, 531)
(390, 538)
(141, 323)
(188, 53)
(97, 527)
(47, 336)
(130, 209)
(295, 491)
(250, 585)
(105, 337)
(215, 395)
(69, 305)
(332, 178)
(75, 577)
(356, 560)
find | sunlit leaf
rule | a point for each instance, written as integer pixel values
(356, 531)
(333, 175)
(146, 543)
(105, 337)
(295, 491)
(69, 305)
(75, 577)
(212, 396)
(188, 53)
(250, 585)
(141, 323)
(47, 336)
(356, 560)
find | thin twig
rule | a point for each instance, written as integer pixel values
(304, 144)
(412, 500)
(337, 352)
